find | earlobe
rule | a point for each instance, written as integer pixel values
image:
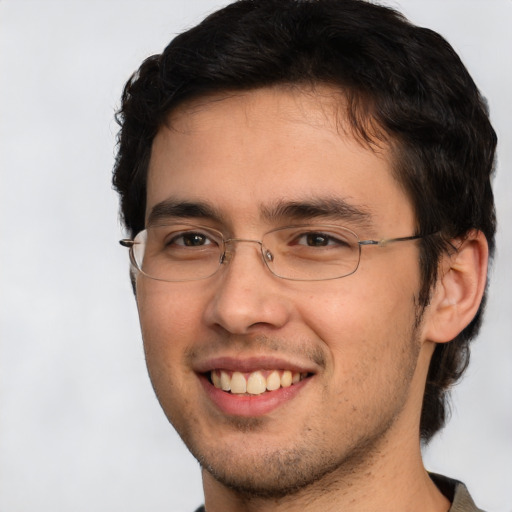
(459, 289)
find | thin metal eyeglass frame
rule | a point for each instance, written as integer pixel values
(129, 243)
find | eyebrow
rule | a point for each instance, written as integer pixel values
(173, 208)
(329, 209)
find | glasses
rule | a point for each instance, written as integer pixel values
(307, 252)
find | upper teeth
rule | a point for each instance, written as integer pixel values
(256, 382)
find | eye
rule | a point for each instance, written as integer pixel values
(316, 239)
(319, 239)
(190, 239)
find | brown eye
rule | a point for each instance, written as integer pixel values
(317, 240)
(190, 239)
(194, 239)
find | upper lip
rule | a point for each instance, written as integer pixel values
(252, 364)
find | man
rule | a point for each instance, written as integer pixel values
(307, 189)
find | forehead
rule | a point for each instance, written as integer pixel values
(245, 152)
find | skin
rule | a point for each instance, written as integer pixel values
(349, 438)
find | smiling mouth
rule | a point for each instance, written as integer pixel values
(254, 383)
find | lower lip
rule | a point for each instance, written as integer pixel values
(251, 405)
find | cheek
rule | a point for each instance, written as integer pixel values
(170, 324)
(358, 311)
(169, 317)
(366, 327)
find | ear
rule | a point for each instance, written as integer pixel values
(459, 289)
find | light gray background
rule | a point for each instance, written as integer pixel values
(80, 428)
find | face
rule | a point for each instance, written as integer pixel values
(245, 164)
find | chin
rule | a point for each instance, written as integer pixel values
(273, 476)
(281, 471)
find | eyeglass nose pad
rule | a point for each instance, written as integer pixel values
(227, 255)
(268, 255)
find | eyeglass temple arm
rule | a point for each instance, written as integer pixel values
(386, 241)
(126, 242)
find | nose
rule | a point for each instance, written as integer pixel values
(247, 297)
